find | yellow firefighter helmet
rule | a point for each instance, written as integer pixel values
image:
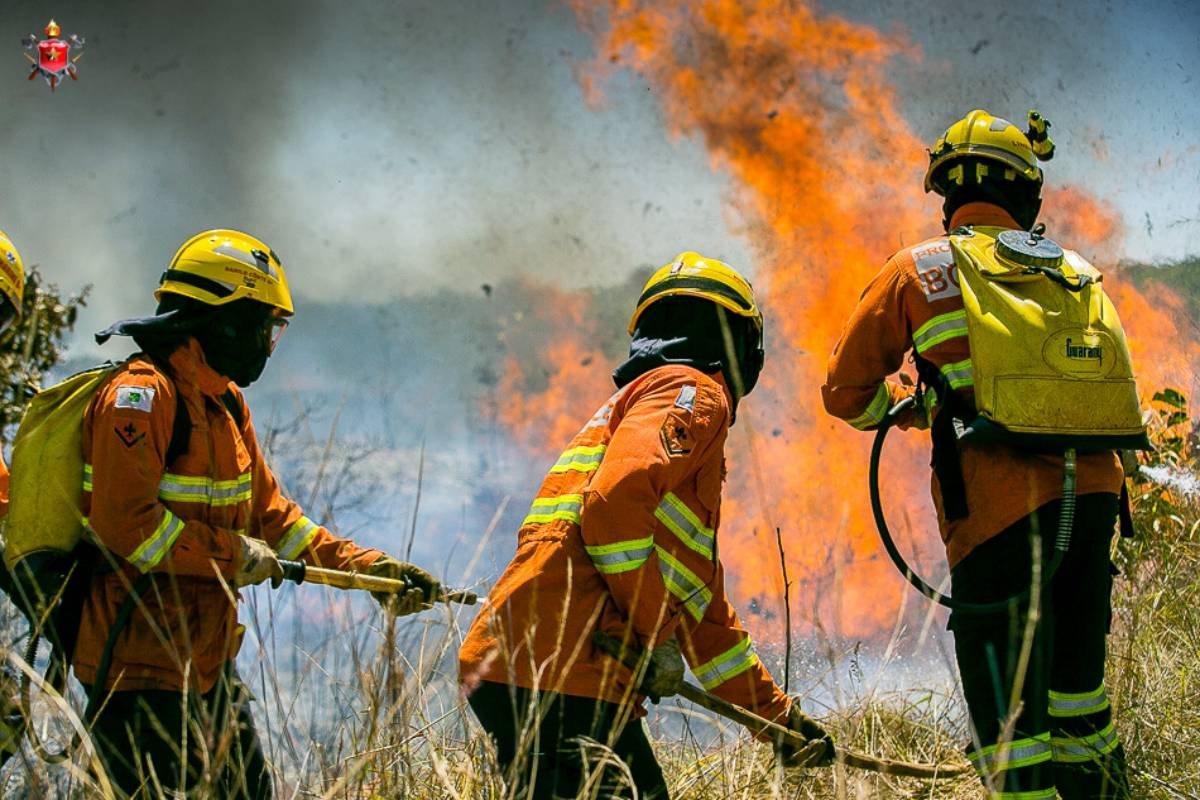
(52, 30)
(220, 266)
(692, 275)
(982, 136)
(12, 275)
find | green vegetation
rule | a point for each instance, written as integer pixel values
(33, 345)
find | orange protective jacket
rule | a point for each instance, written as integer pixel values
(897, 313)
(623, 537)
(180, 520)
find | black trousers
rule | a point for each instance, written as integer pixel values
(551, 757)
(1063, 739)
(142, 736)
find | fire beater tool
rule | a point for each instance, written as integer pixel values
(299, 572)
(809, 750)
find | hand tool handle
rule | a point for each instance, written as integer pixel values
(809, 750)
(299, 572)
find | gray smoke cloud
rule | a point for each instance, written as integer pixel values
(382, 149)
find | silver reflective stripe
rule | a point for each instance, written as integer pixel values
(684, 584)
(579, 459)
(87, 477)
(297, 538)
(731, 663)
(683, 522)
(183, 488)
(202, 489)
(939, 329)
(618, 557)
(1018, 753)
(1077, 749)
(1067, 704)
(960, 374)
(546, 509)
(228, 493)
(150, 552)
(876, 409)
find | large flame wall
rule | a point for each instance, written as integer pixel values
(798, 109)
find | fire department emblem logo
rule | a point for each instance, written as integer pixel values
(53, 58)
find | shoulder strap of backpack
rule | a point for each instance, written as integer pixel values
(181, 426)
(181, 432)
(952, 415)
(230, 401)
(181, 429)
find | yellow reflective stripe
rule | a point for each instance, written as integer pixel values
(876, 409)
(939, 329)
(682, 521)
(731, 663)
(1077, 749)
(202, 489)
(297, 538)
(1068, 704)
(1013, 755)
(150, 552)
(960, 374)
(684, 584)
(618, 557)
(87, 477)
(546, 509)
(579, 459)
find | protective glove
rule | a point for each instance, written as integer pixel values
(804, 725)
(258, 563)
(424, 592)
(664, 672)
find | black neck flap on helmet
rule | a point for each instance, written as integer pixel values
(697, 333)
(1021, 198)
(235, 338)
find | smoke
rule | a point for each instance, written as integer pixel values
(382, 149)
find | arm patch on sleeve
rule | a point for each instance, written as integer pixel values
(676, 439)
(686, 399)
(138, 398)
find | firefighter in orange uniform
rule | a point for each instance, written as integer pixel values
(176, 488)
(12, 291)
(622, 538)
(990, 498)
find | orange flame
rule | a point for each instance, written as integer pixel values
(796, 106)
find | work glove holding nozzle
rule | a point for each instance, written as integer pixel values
(423, 593)
(664, 672)
(257, 564)
(807, 727)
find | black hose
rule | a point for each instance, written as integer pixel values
(102, 669)
(97, 688)
(1061, 544)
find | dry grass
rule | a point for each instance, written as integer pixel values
(351, 706)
